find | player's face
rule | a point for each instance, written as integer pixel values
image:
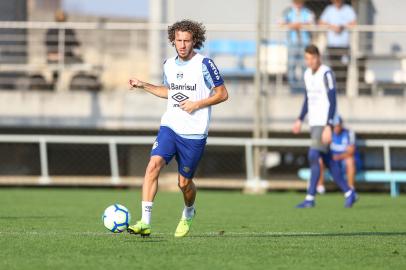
(338, 129)
(312, 61)
(298, 3)
(184, 44)
(337, 3)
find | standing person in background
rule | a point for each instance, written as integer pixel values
(338, 17)
(192, 85)
(344, 150)
(295, 17)
(70, 45)
(320, 103)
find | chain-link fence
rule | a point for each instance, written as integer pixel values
(118, 160)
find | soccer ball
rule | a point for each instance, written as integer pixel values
(116, 218)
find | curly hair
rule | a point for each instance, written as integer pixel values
(197, 30)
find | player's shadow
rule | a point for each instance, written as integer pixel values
(279, 235)
(29, 217)
(151, 239)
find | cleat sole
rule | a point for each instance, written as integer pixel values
(131, 231)
(140, 233)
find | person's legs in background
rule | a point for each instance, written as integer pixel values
(314, 156)
(338, 177)
(350, 171)
(296, 68)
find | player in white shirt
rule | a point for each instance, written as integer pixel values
(192, 84)
(320, 105)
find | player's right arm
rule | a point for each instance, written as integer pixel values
(157, 90)
(298, 123)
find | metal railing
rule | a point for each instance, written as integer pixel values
(98, 38)
(114, 141)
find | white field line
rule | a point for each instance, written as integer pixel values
(211, 234)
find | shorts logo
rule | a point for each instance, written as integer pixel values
(155, 145)
(179, 75)
(179, 97)
(186, 169)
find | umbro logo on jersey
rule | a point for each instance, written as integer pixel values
(179, 97)
(179, 75)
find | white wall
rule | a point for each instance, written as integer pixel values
(138, 110)
(389, 12)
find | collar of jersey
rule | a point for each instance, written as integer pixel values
(180, 62)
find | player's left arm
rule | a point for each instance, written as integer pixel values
(220, 95)
(213, 81)
(347, 154)
(330, 84)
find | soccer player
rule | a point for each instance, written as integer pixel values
(192, 84)
(320, 104)
(344, 150)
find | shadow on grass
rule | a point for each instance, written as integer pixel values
(151, 239)
(295, 234)
(29, 217)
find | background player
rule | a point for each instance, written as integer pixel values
(192, 84)
(320, 103)
(344, 150)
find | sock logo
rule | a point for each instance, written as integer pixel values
(148, 208)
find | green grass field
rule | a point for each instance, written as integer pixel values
(62, 229)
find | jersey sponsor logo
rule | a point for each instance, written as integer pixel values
(214, 69)
(179, 75)
(179, 97)
(185, 86)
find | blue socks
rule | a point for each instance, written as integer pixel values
(313, 156)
